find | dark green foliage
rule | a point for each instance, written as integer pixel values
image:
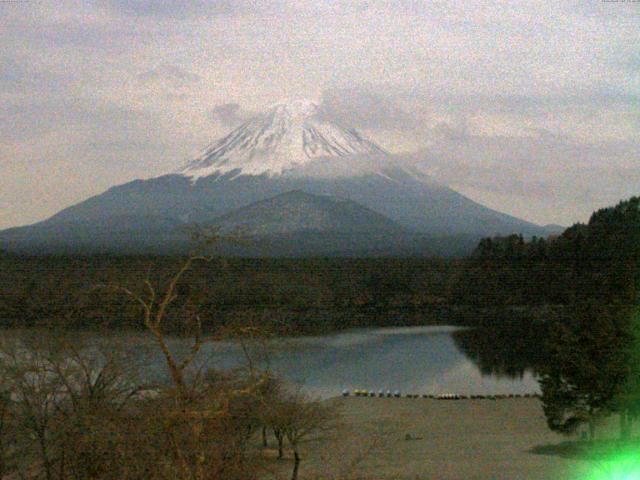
(589, 360)
(591, 273)
(312, 294)
(595, 261)
(627, 401)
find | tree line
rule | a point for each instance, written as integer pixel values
(597, 260)
(302, 295)
(591, 341)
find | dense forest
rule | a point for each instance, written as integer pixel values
(598, 260)
(580, 331)
(305, 294)
(589, 348)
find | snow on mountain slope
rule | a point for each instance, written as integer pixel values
(293, 147)
(287, 136)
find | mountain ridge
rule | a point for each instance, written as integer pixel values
(297, 211)
(288, 148)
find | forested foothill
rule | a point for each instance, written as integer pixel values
(597, 260)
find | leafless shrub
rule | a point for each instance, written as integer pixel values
(78, 408)
(295, 418)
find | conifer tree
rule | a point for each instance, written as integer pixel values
(588, 367)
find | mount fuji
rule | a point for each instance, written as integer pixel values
(293, 177)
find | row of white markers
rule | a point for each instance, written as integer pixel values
(440, 396)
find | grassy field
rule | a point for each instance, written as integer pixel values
(380, 438)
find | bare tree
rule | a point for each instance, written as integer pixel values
(209, 423)
(300, 419)
(96, 386)
(82, 412)
(154, 306)
(34, 391)
(65, 396)
(271, 413)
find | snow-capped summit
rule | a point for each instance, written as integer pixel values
(278, 176)
(289, 135)
(296, 107)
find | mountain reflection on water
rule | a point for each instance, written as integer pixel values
(423, 360)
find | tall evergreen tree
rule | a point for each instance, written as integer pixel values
(588, 367)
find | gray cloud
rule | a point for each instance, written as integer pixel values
(27, 122)
(427, 113)
(451, 134)
(51, 34)
(555, 173)
(174, 81)
(177, 8)
(633, 63)
(167, 72)
(95, 37)
(546, 174)
(367, 109)
(21, 77)
(539, 104)
(229, 114)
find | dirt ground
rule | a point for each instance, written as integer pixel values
(405, 438)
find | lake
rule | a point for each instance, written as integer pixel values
(422, 360)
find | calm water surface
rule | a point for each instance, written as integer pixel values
(410, 359)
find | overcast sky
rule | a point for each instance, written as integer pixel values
(532, 108)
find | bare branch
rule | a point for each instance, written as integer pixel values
(118, 288)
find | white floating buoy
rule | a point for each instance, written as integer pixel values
(448, 396)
